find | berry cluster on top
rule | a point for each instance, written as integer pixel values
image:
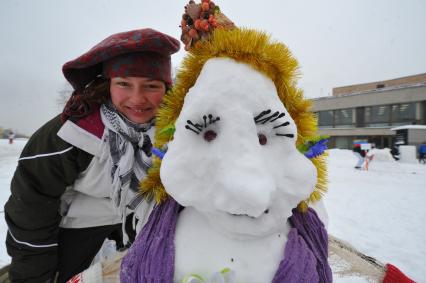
(199, 20)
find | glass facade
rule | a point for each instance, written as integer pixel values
(386, 115)
(340, 118)
(325, 118)
(343, 118)
(372, 116)
(343, 142)
(346, 142)
(377, 116)
(403, 114)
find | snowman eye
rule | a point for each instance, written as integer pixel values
(262, 139)
(210, 135)
(200, 127)
(266, 116)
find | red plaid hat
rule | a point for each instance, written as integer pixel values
(113, 56)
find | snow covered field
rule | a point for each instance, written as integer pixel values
(381, 212)
(8, 160)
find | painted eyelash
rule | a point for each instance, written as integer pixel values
(264, 117)
(282, 125)
(197, 128)
(285, 135)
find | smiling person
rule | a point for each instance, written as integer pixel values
(137, 108)
(77, 179)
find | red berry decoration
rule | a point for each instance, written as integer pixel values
(197, 24)
(204, 18)
(193, 33)
(205, 6)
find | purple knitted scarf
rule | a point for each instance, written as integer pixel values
(151, 257)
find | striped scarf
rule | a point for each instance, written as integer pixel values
(130, 151)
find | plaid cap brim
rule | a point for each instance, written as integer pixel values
(84, 69)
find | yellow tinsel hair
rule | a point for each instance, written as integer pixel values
(256, 49)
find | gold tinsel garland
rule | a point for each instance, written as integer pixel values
(256, 49)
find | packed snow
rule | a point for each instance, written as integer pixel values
(238, 213)
(245, 177)
(381, 211)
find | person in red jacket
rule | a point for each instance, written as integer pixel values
(360, 154)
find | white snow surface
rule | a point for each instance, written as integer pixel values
(415, 127)
(9, 154)
(244, 177)
(381, 211)
(240, 190)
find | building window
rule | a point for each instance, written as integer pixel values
(377, 116)
(403, 114)
(343, 118)
(325, 118)
(343, 142)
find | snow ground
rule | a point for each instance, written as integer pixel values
(8, 160)
(381, 211)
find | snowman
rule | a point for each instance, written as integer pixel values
(239, 173)
(238, 167)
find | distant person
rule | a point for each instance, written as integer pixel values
(422, 153)
(395, 151)
(369, 156)
(360, 154)
(11, 137)
(77, 179)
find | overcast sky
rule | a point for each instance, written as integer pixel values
(337, 42)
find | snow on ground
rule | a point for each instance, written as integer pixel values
(381, 211)
(9, 154)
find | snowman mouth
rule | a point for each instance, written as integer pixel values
(246, 215)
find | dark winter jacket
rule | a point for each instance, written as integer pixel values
(359, 150)
(32, 209)
(60, 181)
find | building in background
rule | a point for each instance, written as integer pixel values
(369, 111)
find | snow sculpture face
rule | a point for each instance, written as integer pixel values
(233, 156)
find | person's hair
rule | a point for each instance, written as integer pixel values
(81, 104)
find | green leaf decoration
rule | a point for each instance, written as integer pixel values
(168, 130)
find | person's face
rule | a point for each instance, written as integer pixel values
(137, 98)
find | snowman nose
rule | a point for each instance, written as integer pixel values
(247, 194)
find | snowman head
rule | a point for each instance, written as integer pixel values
(238, 119)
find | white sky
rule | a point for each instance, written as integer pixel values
(336, 42)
